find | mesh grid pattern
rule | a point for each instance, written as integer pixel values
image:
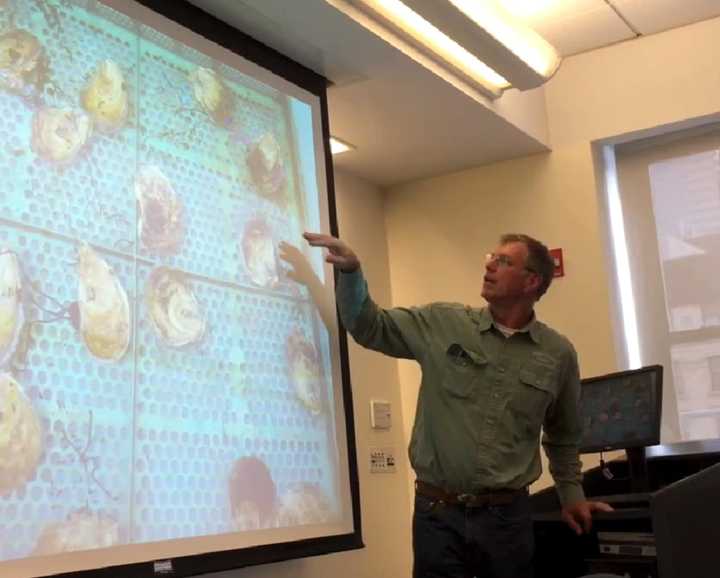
(149, 441)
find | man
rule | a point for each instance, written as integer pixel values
(492, 378)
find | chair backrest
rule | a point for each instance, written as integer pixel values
(686, 523)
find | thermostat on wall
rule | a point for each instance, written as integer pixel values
(380, 416)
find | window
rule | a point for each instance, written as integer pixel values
(666, 245)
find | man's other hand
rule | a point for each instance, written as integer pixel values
(579, 515)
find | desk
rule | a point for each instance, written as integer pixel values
(562, 554)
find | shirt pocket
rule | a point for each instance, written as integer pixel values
(461, 369)
(534, 394)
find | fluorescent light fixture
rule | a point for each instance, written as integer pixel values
(337, 146)
(529, 8)
(477, 41)
(411, 25)
(521, 40)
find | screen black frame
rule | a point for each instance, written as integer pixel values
(200, 22)
(639, 443)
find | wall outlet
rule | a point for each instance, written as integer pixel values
(382, 460)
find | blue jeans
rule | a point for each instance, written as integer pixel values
(455, 541)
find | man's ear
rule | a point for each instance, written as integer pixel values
(532, 282)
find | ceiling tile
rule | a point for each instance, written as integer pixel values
(573, 26)
(653, 16)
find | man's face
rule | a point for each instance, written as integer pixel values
(507, 279)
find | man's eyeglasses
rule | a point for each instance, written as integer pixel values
(503, 261)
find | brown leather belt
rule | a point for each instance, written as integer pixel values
(478, 500)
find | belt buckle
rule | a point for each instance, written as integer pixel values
(466, 498)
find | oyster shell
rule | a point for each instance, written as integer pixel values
(212, 93)
(252, 494)
(21, 436)
(104, 313)
(267, 167)
(105, 97)
(258, 249)
(23, 63)
(81, 530)
(12, 311)
(58, 135)
(305, 372)
(175, 313)
(161, 224)
(302, 504)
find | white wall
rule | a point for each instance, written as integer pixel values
(384, 497)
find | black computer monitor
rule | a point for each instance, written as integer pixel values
(685, 523)
(621, 410)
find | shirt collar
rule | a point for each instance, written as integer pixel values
(484, 320)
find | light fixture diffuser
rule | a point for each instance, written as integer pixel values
(337, 146)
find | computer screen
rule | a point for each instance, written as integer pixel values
(621, 410)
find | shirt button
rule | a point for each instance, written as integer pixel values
(501, 369)
(491, 420)
(496, 395)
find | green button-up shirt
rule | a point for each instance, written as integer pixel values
(484, 397)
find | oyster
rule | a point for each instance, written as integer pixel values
(12, 312)
(23, 63)
(104, 313)
(303, 503)
(258, 249)
(81, 530)
(305, 372)
(58, 135)
(252, 494)
(105, 97)
(161, 224)
(212, 93)
(175, 313)
(267, 168)
(20, 436)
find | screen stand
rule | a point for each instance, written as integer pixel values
(637, 465)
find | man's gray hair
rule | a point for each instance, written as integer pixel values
(538, 261)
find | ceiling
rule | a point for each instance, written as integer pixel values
(407, 123)
(574, 26)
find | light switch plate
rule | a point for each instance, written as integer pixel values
(380, 414)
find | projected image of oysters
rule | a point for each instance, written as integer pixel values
(104, 313)
(81, 530)
(20, 436)
(213, 95)
(252, 494)
(176, 315)
(260, 253)
(305, 371)
(161, 224)
(12, 312)
(23, 63)
(58, 135)
(105, 97)
(267, 168)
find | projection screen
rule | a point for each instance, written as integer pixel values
(174, 392)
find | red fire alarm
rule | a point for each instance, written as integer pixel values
(556, 254)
